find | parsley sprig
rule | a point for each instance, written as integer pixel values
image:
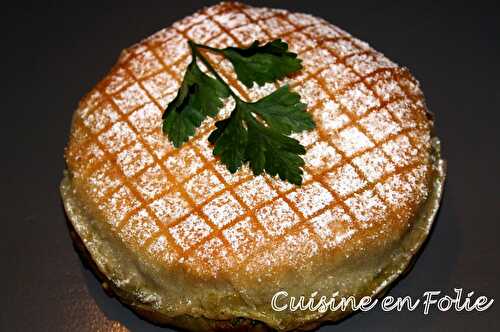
(255, 132)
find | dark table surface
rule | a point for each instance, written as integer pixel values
(53, 55)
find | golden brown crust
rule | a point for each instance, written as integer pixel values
(179, 215)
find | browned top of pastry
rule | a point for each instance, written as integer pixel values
(367, 163)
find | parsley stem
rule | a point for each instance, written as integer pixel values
(197, 54)
(213, 49)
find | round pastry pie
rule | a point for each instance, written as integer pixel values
(184, 242)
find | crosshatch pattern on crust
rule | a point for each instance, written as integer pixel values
(369, 150)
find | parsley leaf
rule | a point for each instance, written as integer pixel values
(199, 96)
(231, 139)
(256, 133)
(283, 111)
(262, 64)
(273, 152)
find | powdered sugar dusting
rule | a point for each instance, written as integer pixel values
(190, 231)
(366, 160)
(278, 210)
(310, 198)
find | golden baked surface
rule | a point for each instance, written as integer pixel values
(367, 163)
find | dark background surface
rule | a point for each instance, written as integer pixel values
(54, 54)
